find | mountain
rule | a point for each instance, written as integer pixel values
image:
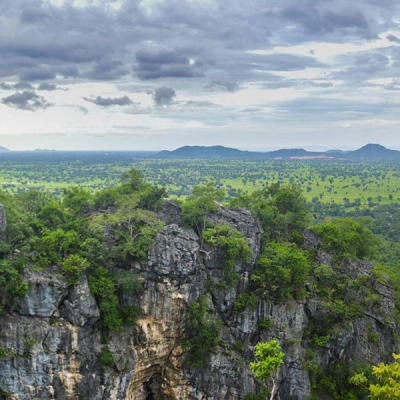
(368, 152)
(204, 152)
(3, 149)
(374, 152)
(208, 152)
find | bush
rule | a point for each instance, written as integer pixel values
(234, 245)
(281, 272)
(347, 238)
(106, 358)
(73, 267)
(201, 331)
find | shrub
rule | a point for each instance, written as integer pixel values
(347, 238)
(281, 272)
(201, 331)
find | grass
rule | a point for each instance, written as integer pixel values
(329, 181)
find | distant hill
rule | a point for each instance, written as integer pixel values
(374, 152)
(367, 152)
(203, 152)
(4, 148)
(208, 152)
(44, 150)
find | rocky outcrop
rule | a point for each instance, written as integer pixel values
(51, 344)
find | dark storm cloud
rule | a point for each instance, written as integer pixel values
(38, 74)
(23, 85)
(108, 102)
(154, 63)
(27, 100)
(287, 62)
(47, 86)
(16, 86)
(70, 71)
(6, 86)
(361, 66)
(332, 21)
(208, 43)
(163, 96)
(393, 38)
(222, 86)
(40, 40)
(108, 70)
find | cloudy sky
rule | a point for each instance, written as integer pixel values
(160, 74)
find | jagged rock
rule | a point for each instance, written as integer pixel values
(171, 213)
(46, 291)
(80, 306)
(52, 340)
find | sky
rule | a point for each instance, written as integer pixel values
(161, 74)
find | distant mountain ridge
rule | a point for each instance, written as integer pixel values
(368, 152)
(2, 148)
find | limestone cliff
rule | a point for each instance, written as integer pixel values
(50, 344)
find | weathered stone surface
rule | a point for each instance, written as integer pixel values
(52, 339)
(80, 306)
(46, 291)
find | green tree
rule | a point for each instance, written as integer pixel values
(233, 243)
(73, 267)
(135, 228)
(200, 204)
(201, 331)
(269, 358)
(347, 237)
(281, 272)
(102, 285)
(386, 378)
(281, 210)
(77, 200)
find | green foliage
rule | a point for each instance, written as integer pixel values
(385, 381)
(77, 201)
(106, 358)
(150, 196)
(102, 285)
(135, 228)
(11, 282)
(281, 272)
(73, 267)
(130, 314)
(269, 358)
(201, 330)
(245, 300)
(347, 238)
(126, 282)
(267, 323)
(105, 198)
(55, 245)
(253, 396)
(43, 230)
(52, 216)
(281, 209)
(234, 246)
(200, 204)
(335, 383)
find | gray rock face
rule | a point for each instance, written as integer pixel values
(52, 341)
(46, 291)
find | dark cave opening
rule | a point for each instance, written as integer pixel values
(153, 388)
